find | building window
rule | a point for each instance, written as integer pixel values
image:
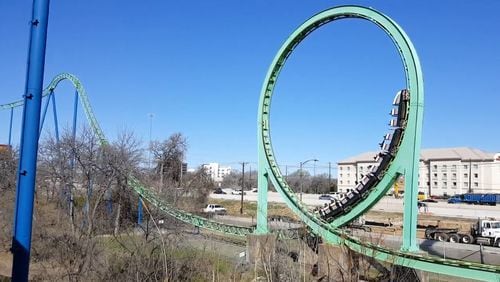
(474, 166)
(341, 182)
(476, 184)
(361, 168)
(454, 176)
(348, 168)
(348, 175)
(348, 182)
(428, 183)
(445, 175)
(454, 185)
(475, 175)
(435, 175)
(444, 166)
(454, 167)
(466, 167)
(341, 168)
(466, 175)
(445, 184)
(466, 184)
(435, 183)
(341, 175)
(435, 167)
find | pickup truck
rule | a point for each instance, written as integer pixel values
(214, 209)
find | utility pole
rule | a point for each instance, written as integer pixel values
(250, 176)
(150, 115)
(242, 185)
(300, 180)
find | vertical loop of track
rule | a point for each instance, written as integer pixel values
(414, 84)
(406, 159)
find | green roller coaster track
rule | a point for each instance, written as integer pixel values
(404, 163)
(146, 193)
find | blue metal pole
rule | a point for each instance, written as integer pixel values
(75, 114)
(139, 212)
(10, 126)
(42, 121)
(55, 116)
(21, 241)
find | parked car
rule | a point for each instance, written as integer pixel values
(238, 192)
(254, 190)
(215, 209)
(326, 197)
(219, 191)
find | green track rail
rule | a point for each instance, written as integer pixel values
(146, 193)
(405, 162)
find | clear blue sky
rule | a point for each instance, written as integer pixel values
(199, 67)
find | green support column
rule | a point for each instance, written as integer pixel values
(412, 155)
(262, 186)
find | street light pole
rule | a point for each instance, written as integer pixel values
(150, 115)
(300, 174)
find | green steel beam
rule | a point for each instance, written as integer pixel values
(148, 194)
(405, 162)
(263, 185)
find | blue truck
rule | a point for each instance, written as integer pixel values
(476, 199)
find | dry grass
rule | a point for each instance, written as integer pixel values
(250, 208)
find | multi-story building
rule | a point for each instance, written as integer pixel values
(216, 171)
(444, 171)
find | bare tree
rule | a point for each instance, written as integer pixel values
(123, 157)
(8, 161)
(197, 187)
(168, 156)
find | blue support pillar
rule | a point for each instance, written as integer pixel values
(10, 126)
(21, 241)
(72, 164)
(139, 212)
(55, 116)
(42, 121)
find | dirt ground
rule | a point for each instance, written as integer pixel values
(394, 222)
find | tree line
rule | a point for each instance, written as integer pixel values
(82, 197)
(318, 184)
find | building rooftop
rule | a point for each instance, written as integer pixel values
(457, 153)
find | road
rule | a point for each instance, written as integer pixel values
(388, 204)
(473, 253)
